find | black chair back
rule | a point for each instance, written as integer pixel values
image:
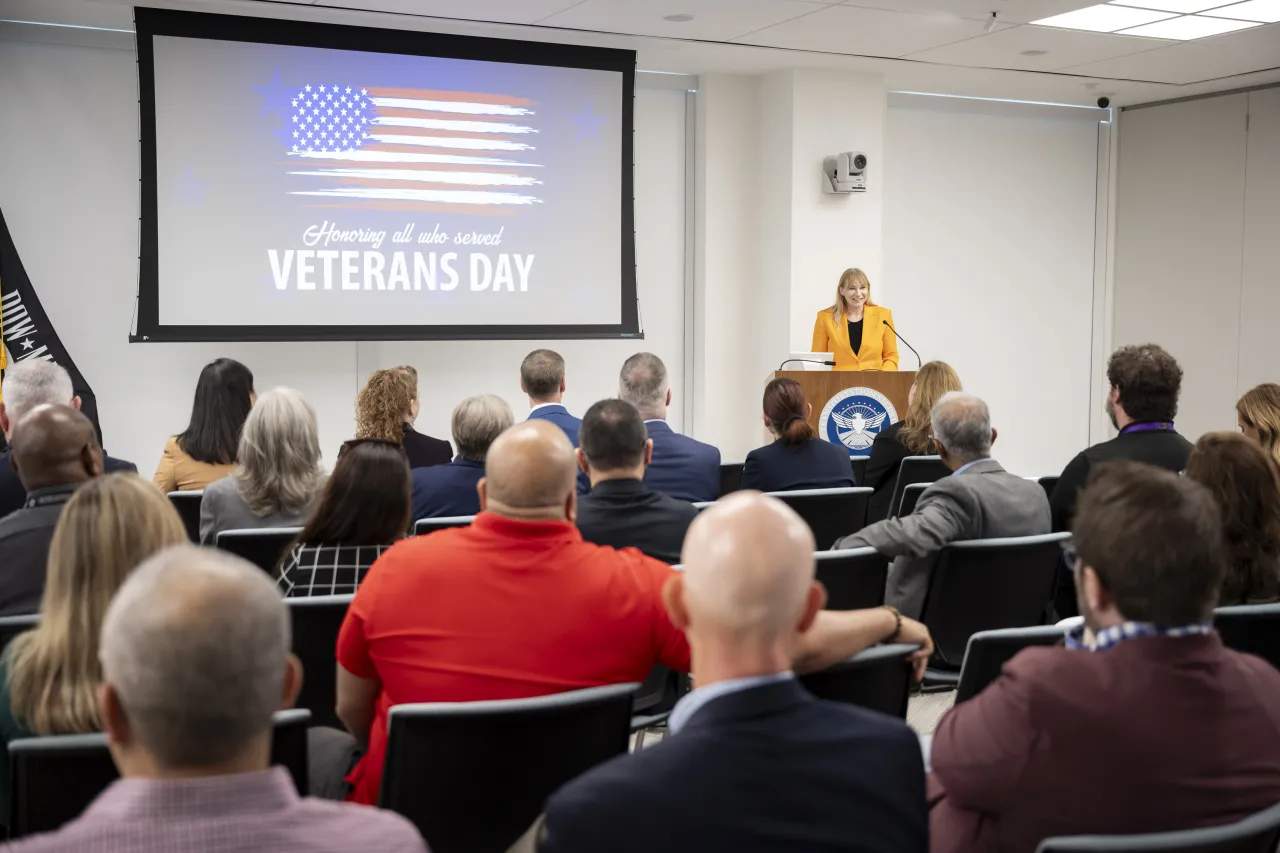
(263, 548)
(730, 477)
(188, 506)
(989, 651)
(854, 578)
(1252, 628)
(858, 464)
(878, 678)
(12, 626)
(1047, 483)
(986, 584)
(423, 526)
(910, 497)
(915, 469)
(830, 513)
(1258, 833)
(54, 779)
(472, 776)
(316, 621)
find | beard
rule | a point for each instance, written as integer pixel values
(1111, 413)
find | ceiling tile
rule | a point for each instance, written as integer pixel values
(1258, 38)
(866, 32)
(507, 11)
(1190, 27)
(717, 20)
(1003, 49)
(1187, 62)
(1266, 11)
(1018, 12)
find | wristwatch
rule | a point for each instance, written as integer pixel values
(897, 630)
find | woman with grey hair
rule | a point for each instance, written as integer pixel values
(278, 477)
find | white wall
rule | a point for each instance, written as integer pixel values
(989, 265)
(69, 191)
(1197, 256)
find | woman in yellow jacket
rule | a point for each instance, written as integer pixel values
(854, 328)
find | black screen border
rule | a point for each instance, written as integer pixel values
(167, 22)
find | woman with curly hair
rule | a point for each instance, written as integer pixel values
(386, 408)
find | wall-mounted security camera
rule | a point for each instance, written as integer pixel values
(845, 172)
(1104, 102)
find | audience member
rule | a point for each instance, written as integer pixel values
(798, 459)
(49, 676)
(620, 510)
(387, 407)
(1145, 722)
(910, 436)
(28, 384)
(542, 379)
(980, 500)
(279, 475)
(55, 450)
(682, 467)
(195, 660)
(1258, 416)
(1145, 381)
(363, 511)
(834, 772)
(517, 605)
(206, 450)
(1246, 485)
(450, 490)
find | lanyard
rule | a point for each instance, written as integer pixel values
(1149, 426)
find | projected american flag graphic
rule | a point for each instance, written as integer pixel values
(367, 147)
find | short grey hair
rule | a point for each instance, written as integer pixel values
(477, 421)
(643, 382)
(32, 383)
(962, 424)
(279, 454)
(195, 644)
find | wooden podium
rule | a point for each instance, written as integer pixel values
(821, 385)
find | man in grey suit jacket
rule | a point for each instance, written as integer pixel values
(980, 500)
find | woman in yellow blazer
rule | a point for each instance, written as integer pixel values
(853, 328)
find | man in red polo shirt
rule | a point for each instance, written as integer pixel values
(518, 605)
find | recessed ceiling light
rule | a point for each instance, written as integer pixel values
(1104, 18)
(1034, 52)
(1264, 11)
(1182, 7)
(1189, 27)
(678, 19)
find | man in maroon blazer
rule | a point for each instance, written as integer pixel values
(1144, 722)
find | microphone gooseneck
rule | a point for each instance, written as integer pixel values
(807, 361)
(919, 362)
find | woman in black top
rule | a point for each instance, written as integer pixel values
(386, 408)
(798, 459)
(908, 437)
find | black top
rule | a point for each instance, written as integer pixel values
(24, 541)
(13, 495)
(628, 514)
(839, 777)
(1162, 448)
(812, 464)
(855, 335)
(423, 450)
(887, 453)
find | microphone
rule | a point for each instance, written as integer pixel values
(809, 361)
(919, 363)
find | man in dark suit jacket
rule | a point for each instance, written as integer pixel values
(753, 762)
(1143, 400)
(542, 378)
(1144, 722)
(980, 500)
(620, 510)
(682, 467)
(447, 490)
(55, 450)
(27, 385)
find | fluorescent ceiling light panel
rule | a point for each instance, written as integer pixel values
(1104, 18)
(1263, 11)
(1189, 27)
(1182, 7)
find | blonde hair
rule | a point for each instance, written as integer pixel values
(1260, 409)
(110, 526)
(853, 274)
(934, 379)
(279, 454)
(384, 402)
